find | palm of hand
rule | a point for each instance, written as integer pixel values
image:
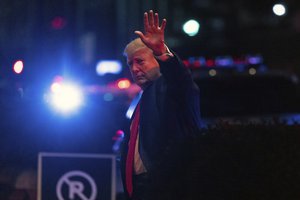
(154, 34)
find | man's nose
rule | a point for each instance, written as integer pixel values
(135, 68)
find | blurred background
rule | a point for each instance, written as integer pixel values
(65, 86)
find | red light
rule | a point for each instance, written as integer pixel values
(58, 23)
(18, 67)
(119, 135)
(210, 63)
(239, 61)
(124, 84)
(186, 63)
(197, 63)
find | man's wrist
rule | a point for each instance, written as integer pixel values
(165, 56)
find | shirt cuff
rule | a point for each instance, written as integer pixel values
(165, 56)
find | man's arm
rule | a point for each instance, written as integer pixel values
(175, 73)
(170, 65)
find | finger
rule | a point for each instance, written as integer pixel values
(156, 20)
(146, 21)
(163, 24)
(151, 18)
(140, 34)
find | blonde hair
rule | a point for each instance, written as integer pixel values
(133, 46)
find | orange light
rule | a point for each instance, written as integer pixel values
(123, 84)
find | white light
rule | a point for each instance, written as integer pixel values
(279, 9)
(252, 71)
(212, 72)
(18, 66)
(191, 27)
(65, 97)
(56, 87)
(108, 66)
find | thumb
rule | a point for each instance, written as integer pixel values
(140, 34)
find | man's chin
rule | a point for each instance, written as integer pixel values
(142, 83)
(139, 81)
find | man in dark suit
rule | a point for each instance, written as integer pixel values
(168, 110)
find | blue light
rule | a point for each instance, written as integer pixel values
(108, 67)
(191, 60)
(202, 61)
(254, 60)
(224, 61)
(108, 97)
(291, 119)
(132, 106)
(65, 97)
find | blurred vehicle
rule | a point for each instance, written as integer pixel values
(244, 98)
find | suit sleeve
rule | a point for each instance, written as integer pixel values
(176, 75)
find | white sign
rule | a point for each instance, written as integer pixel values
(76, 187)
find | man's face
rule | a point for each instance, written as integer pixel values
(143, 66)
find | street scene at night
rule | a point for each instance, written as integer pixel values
(74, 81)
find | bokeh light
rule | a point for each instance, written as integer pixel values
(123, 83)
(65, 97)
(252, 71)
(108, 67)
(18, 67)
(212, 72)
(58, 23)
(191, 27)
(279, 9)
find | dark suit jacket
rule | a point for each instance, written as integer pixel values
(169, 111)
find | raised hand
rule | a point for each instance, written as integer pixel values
(154, 35)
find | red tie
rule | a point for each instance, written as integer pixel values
(130, 154)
